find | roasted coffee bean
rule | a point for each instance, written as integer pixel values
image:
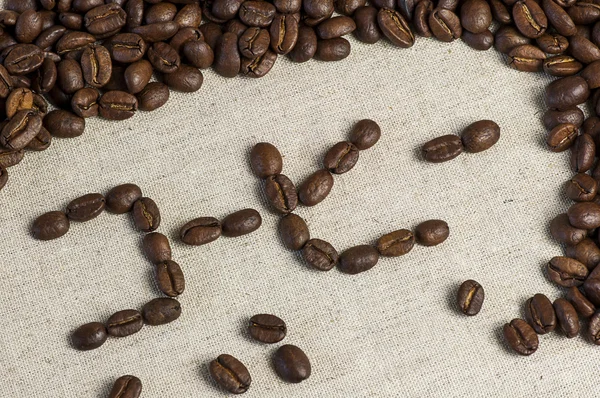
(583, 49)
(64, 124)
(138, 75)
(421, 18)
(445, 25)
(20, 130)
(291, 364)
(365, 134)
(28, 26)
(85, 102)
(20, 99)
(183, 36)
(584, 215)
(582, 188)
(72, 44)
(367, 27)
(212, 33)
(48, 38)
(583, 306)
(161, 311)
(259, 66)
(39, 105)
(442, 149)
(590, 74)
(341, 158)
(104, 20)
(71, 20)
(396, 243)
(89, 336)
(358, 259)
(500, 12)
(562, 137)
(332, 49)
(70, 76)
(22, 59)
(190, 16)
(51, 225)
(507, 38)
(44, 78)
(10, 158)
(241, 223)
(583, 13)
(146, 215)
(153, 96)
(395, 28)
(336, 27)
(529, 18)
(186, 79)
(6, 82)
(156, 32)
(200, 231)
(96, 65)
(594, 328)
(552, 43)
(20, 6)
(267, 328)
(479, 41)
(84, 6)
(163, 57)
(469, 297)
(293, 231)
(160, 12)
(227, 61)
(389, 4)
(564, 232)
(540, 314)
(583, 153)
(315, 188)
(562, 66)
(284, 32)
(317, 10)
(254, 42)
(432, 232)
(559, 18)
(126, 386)
(291, 6)
(169, 278)
(257, 13)
(127, 47)
(520, 337)
(320, 254)
(199, 54)
(281, 193)
(86, 207)
(567, 317)
(566, 272)
(475, 16)
(480, 136)
(120, 199)
(265, 160)
(230, 374)
(526, 58)
(345, 7)
(586, 252)
(124, 323)
(117, 105)
(591, 287)
(156, 247)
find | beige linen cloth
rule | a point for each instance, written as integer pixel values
(390, 332)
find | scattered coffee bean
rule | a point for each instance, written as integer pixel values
(89, 336)
(230, 374)
(583, 153)
(291, 364)
(442, 149)
(520, 337)
(480, 136)
(86, 207)
(567, 317)
(566, 272)
(341, 158)
(432, 232)
(265, 160)
(169, 278)
(126, 387)
(396, 243)
(315, 188)
(156, 247)
(281, 193)
(582, 188)
(564, 232)
(161, 311)
(241, 223)
(365, 134)
(583, 306)
(470, 297)
(267, 328)
(293, 231)
(540, 314)
(358, 259)
(124, 323)
(51, 225)
(200, 231)
(584, 215)
(121, 199)
(146, 215)
(320, 254)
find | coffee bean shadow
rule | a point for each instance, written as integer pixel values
(106, 387)
(417, 154)
(451, 298)
(204, 373)
(151, 278)
(243, 328)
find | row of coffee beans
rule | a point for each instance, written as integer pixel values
(289, 361)
(477, 137)
(203, 230)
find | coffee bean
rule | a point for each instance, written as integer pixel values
(85, 102)
(118, 105)
(564, 232)
(583, 306)
(583, 49)
(51, 225)
(475, 15)
(161, 12)
(432, 232)
(480, 136)
(365, 134)
(19, 100)
(10, 158)
(153, 96)
(529, 18)
(358, 259)
(96, 65)
(552, 43)
(227, 58)
(254, 42)
(583, 153)
(442, 149)
(590, 74)
(562, 137)
(70, 76)
(20, 130)
(156, 247)
(258, 66)
(124, 323)
(126, 386)
(341, 158)
(421, 18)
(566, 272)
(146, 215)
(291, 6)
(267, 328)
(265, 160)
(163, 57)
(241, 223)
(105, 20)
(22, 59)
(212, 32)
(521, 337)
(284, 32)
(257, 13)
(395, 28)
(120, 199)
(567, 92)
(479, 41)
(540, 314)
(332, 49)
(161, 311)
(293, 231)
(553, 117)
(86, 207)
(586, 252)
(470, 297)
(396, 243)
(594, 328)
(127, 47)
(291, 364)
(367, 27)
(445, 25)
(584, 215)
(500, 12)
(336, 27)
(320, 254)
(526, 58)
(507, 38)
(200, 231)
(89, 336)
(169, 278)
(567, 317)
(72, 44)
(138, 75)
(281, 193)
(582, 188)
(315, 188)
(189, 16)
(230, 374)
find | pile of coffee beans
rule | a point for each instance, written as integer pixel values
(289, 361)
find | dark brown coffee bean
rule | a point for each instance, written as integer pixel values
(306, 45)
(199, 53)
(586, 252)
(332, 49)
(10, 158)
(146, 215)
(500, 12)
(315, 188)
(346, 7)
(72, 44)
(257, 13)
(200, 231)
(117, 105)
(540, 314)
(520, 337)
(553, 118)
(186, 79)
(44, 78)
(241, 223)
(227, 57)
(583, 306)
(89, 336)
(442, 149)
(20, 130)
(86, 207)
(153, 96)
(71, 20)
(64, 124)
(28, 26)
(479, 41)
(138, 75)
(591, 286)
(291, 364)
(583, 49)
(104, 20)
(318, 10)
(358, 259)
(583, 153)
(124, 323)
(507, 38)
(445, 25)
(265, 160)
(367, 27)
(584, 13)
(84, 6)
(480, 136)
(161, 311)
(567, 317)
(160, 12)
(156, 32)
(594, 328)
(267, 328)
(48, 38)
(169, 278)
(163, 57)
(432, 232)
(120, 199)
(562, 137)
(421, 18)
(582, 188)
(320, 254)
(183, 36)
(127, 47)
(70, 76)
(281, 193)
(396, 243)
(475, 15)
(336, 27)
(212, 33)
(341, 158)
(529, 18)
(566, 272)
(293, 231)
(564, 232)
(259, 66)
(584, 215)
(230, 374)
(365, 134)
(22, 59)
(469, 297)
(590, 74)
(51, 225)
(156, 247)
(190, 16)
(526, 58)
(552, 43)
(96, 65)
(85, 102)
(559, 18)
(20, 99)
(254, 42)
(20, 6)
(395, 28)
(126, 386)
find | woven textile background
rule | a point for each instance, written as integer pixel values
(392, 331)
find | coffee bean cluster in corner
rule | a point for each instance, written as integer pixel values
(281, 193)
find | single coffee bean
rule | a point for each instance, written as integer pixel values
(22, 59)
(367, 27)
(291, 364)
(258, 66)
(552, 43)
(161, 311)
(470, 297)
(583, 49)
(146, 215)
(105, 20)
(583, 153)
(293, 231)
(20, 130)
(396, 243)
(118, 105)
(153, 96)
(96, 65)
(85, 102)
(89, 336)
(526, 58)
(190, 16)
(169, 278)
(254, 42)
(163, 57)
(520, 337)
(51, 225)
(421, 18)
(72, 44)
(257, 13)
(120, 199)
(540, 314)
(432, 232)
(365, 134)
(332, 50)
(591, 286)
(126, 387)
(187, 79)
(529, 18)
(335, 27)
(480, 136)
(553, 117)
(564, 232)
(10, 158)
(317, 11)
(70, 76)
(281, 193)
(124, 323)
(582, 188)
(127, 47)
(559, 18)
(267, 328)
(18, 100)
(584, 215)
(590, 74)
(442, 149)
(241, 223)
(479, 41)
(86, 207)
(341, 158)
(358, 259)
(315, 188)
(583, 306)
(50, 36)
(265, 160)
(395, 28)
(227, 57)
(567, 92)
(500, 12)
(156, 247)
(284, 32)
(586, 252)
(320, 254)
(507, 38)
(594, 328)
(566, 272)
(200, 231)
(138, 75)
(567, 317)
(83, 6)
(445, 25)
(475, 15)
(161, 12)
(230, 374)
(562, 137)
